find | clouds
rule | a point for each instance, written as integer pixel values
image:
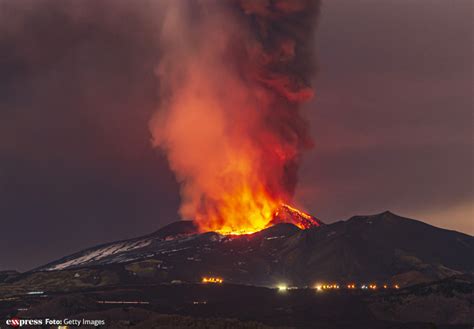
(392, 121)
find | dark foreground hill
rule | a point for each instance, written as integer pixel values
(383, 248)
(443, 304)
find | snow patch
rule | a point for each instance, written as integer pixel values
(275, 237)
(101, 253)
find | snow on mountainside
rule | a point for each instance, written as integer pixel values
(171, 240)
(94, 255)
(378, 247)
(163, 241)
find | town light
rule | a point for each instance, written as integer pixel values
(212, 280)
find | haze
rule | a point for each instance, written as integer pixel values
(392, 121)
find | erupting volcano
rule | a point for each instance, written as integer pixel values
(233, 75)
(283, 214)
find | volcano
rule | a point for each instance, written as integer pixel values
(382, 247)
(179, 269)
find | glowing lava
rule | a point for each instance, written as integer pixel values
(232, 79)
(289, 214)
(283, 214)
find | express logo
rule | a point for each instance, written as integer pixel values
(15, 322)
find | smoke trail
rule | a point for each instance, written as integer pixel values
(232, 77)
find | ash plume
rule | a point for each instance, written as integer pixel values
(232, 77)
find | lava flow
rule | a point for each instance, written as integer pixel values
(288, 214)
(283, 214)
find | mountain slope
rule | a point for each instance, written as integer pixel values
(383, 247)
(380, 247)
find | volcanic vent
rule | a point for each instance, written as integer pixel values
(283, 214)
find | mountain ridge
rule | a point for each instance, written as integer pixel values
(379, 247)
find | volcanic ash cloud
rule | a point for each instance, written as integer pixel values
(232, 77)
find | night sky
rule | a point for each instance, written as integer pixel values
(392, 121)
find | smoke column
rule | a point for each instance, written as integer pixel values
(232, 77)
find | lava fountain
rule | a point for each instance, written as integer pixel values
(232, 77)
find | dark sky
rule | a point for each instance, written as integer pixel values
(392, 121)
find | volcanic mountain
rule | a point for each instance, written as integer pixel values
(378, 248)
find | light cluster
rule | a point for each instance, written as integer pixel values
(353, 286)
(327, 286)
(212, 280)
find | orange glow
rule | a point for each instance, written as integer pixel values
(212, 280)
(229, 116)
(240, 210)
(297, 217)
(302, 214)
(327, 286)
(249, 213)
